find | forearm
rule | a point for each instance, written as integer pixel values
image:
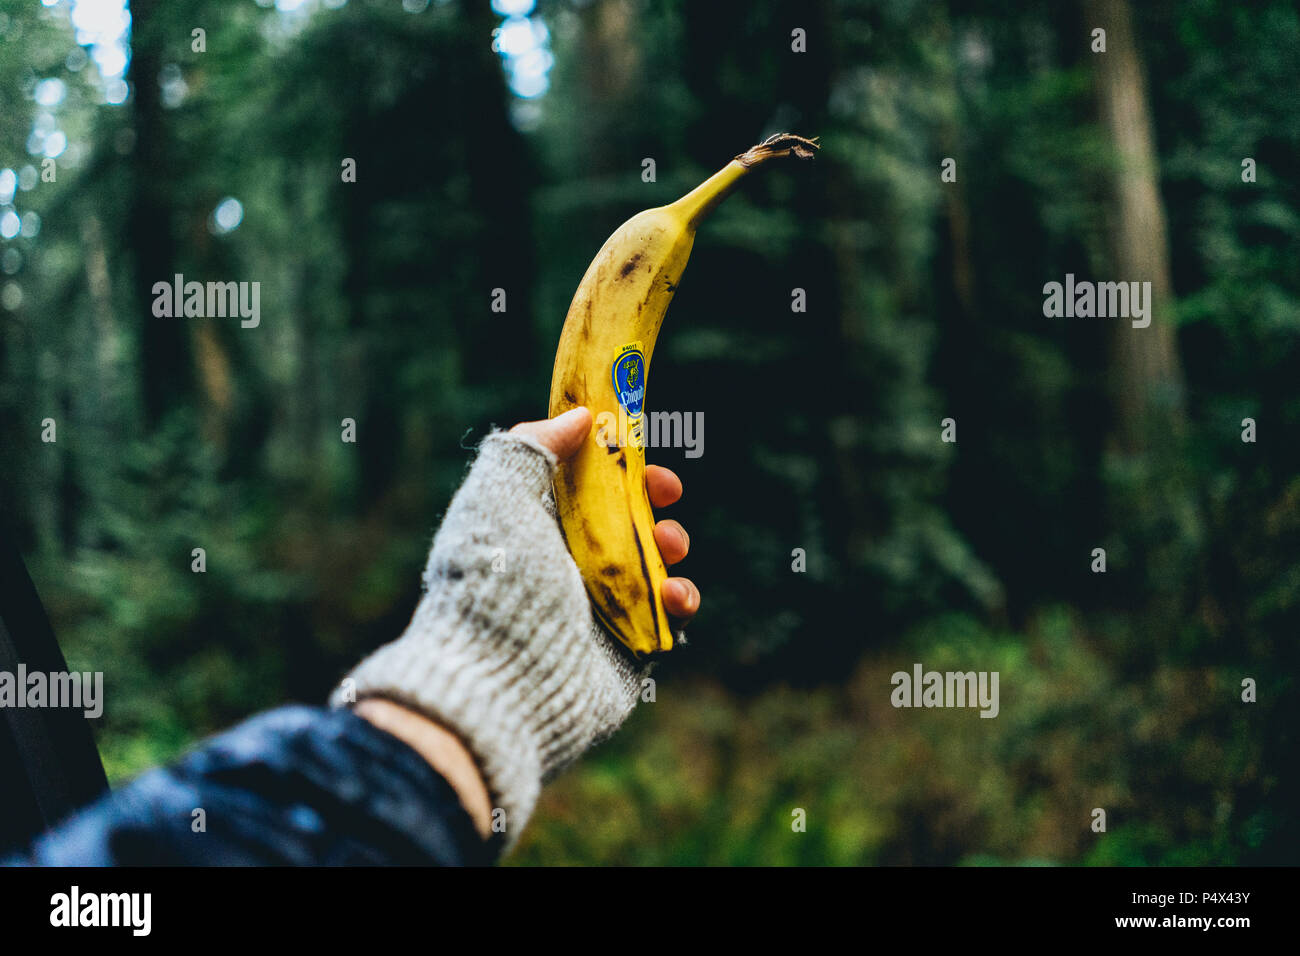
(297, 785)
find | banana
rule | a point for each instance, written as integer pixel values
(602, 362)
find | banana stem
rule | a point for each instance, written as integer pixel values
(702, 200)
(774, 147)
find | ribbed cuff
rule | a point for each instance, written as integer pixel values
(475, 697)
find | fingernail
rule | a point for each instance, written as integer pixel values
(693, 599)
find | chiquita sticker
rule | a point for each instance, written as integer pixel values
(629, 378)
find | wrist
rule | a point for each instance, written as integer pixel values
(441, 749)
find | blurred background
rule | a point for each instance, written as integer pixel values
(496, 145)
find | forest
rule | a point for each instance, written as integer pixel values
(912, 457)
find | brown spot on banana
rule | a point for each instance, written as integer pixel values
(630, 265)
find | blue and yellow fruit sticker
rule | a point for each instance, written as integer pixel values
(629, 378)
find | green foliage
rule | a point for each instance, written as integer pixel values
(702, 777)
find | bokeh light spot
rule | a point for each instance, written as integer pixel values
(227, 216)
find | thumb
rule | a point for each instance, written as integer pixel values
(562, 435)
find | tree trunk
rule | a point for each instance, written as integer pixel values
(165, 371)
(1147, 377)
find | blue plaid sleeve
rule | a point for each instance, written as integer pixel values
(293, 786)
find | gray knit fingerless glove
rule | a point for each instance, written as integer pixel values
(502, 648)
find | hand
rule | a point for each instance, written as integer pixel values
(564, 435)
(503, 658)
